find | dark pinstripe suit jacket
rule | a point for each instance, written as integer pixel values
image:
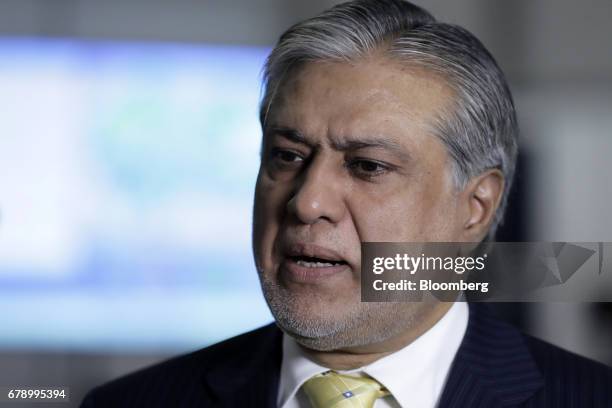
(495, 366)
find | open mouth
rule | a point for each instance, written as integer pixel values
(313, 262)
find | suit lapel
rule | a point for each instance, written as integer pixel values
(493, 366)
(250, 377)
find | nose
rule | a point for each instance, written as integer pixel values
(318, 194)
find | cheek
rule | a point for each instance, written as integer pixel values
(390, 220)
(418, 215)
(268, 213)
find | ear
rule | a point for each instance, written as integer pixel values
(482, 197)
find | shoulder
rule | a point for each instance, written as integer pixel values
(487, 329)
(563, 374)
(562, 368)
(179, 381)
(499, 363)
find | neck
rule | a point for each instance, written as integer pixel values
(355, 357)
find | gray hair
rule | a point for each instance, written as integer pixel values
(480, 133)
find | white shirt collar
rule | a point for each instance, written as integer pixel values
(415, 375)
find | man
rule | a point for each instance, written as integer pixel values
(379, 124)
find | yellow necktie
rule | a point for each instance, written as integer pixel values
(334, 390)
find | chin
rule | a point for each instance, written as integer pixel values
(339, 338)
(317, 334)
(317, 329)
(306, 316)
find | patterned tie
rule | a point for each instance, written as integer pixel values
(334, 390)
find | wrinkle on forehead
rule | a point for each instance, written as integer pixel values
(390, 88)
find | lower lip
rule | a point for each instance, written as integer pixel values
(302, 274)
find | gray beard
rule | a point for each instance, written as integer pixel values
(362, 324)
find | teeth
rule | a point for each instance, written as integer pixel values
(315, 264)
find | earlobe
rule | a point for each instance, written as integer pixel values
(483, 194)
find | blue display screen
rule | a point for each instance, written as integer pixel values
(126, 194)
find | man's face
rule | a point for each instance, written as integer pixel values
(348, 156)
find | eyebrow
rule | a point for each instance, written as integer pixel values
(344, 144)
(377, 143)
(291, 134)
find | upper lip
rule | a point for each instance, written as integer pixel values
(313, 251)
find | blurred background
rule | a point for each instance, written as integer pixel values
(129, 150)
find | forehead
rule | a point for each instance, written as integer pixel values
(369, 95)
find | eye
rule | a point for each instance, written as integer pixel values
(282, 159)
(287, 156)
(367, 168)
